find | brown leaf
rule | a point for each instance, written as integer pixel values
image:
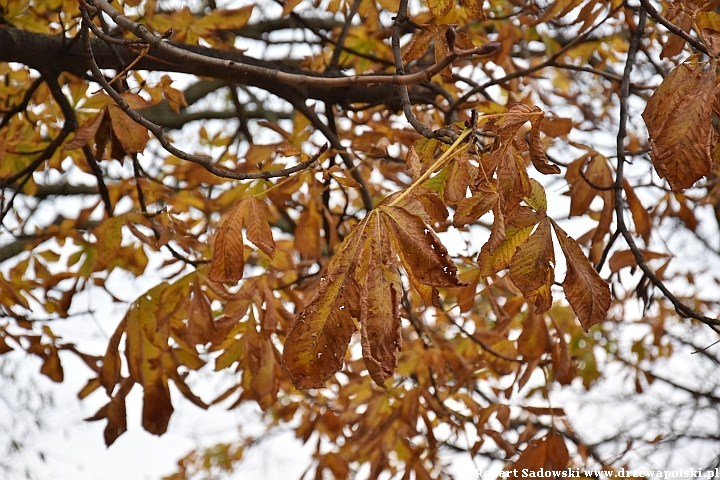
(86, 131)
(379, 304)
(625, 258)
(157, 407)
(537, 155)
(679, 120)
(461, 175)
(711, 38)
(110, 371)
(556, 126)
(548, 454)
(228, 260)
(641, 217)
(492, 260)
(51, 367)
(256, 226)
(587, 293)
(534, 339)
(418, 46)
(472, 208)
(532, 267)
(318, 338)
(420, 249)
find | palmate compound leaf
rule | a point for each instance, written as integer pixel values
(587, 293)
(679, 120)
(228, 261)
(362, 281)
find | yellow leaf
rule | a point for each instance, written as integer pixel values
(307, 233)
(679, 120)
(225, 19)
(587, 293)
(439, 8)
(492, 261)
(532, 268)
(474, 9)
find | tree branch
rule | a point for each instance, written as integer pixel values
(680, 307)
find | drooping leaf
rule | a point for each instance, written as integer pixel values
(678, 118)
(256, 226)
(534, 339)
(318, 338)
(492, 260)
(587, 293)
(379, 304)
(228, 260)
(532, 267)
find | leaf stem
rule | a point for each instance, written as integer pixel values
(439, 163)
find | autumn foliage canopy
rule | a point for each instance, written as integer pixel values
(404, 227)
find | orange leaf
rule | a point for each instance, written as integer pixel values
(534, 339)
(307, 234)
(625, 258)
(548, 453)
(228, 261)
(679, 120)
(132, 136)
(587, 293)
(256, 226)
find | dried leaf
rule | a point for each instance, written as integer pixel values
(420, 249)
(532, 267)
(472, 208)
(318, 338)
(587, 293)
(228, 260)
(534, 340)
(625, 258)
(256, 226)
(132, 136)
(439, 8)
(679, 120)
(379, 304)
(641, 217)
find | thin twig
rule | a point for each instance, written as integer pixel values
(657, 16)
(203, 160)
(680, 308)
